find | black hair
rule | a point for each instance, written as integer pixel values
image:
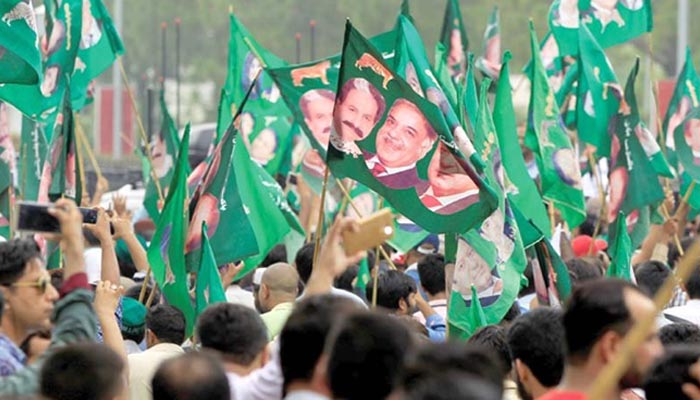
(594, 308)
(670, 372)
(537, 339)
(692, 286)
(344, 281)
(366, 354)
(453, 356)
(493, 339)
(431, 271)
(304, 334)
(90, 238)
(167, 323)
(235, 331)
(88, 371)
(192, 376)
(14, 256)
(512, 313)
(452, 385)
(651, 276)
(304, 261)
(278, 254)
(135, 291)
(679, 333)
(392, 286)
(582, 270)
(674, 254)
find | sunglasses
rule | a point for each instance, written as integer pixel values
(42, 283)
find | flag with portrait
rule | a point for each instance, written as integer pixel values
(453, 37)
(20, 60)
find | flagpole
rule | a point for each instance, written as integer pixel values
(81, 164)
(297, 38)
(91, 155)
(142, 130)
(321, 209)
(359, 215)
(677, 241)
(376, 265)
(163, 45)
(608, 378)
(178, 22)
(312, 28)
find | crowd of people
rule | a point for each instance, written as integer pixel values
(305, 331)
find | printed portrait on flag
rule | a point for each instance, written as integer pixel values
(264, 146)
(358, 108)
(687, 137)
(676, 119)
(161, 159)
(472, 270)
(91, 30)
(451, 189)
(566, 14)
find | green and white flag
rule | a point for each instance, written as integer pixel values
(620, 250)
(32, 154)
(8, 172)
(405, 151)
(264, 123)
(547, 138)
(164, 149)
(599, 94)
(633, 180)
(166, 253)
(453, 37)
(522, 190)
(683, 101)
(442, 73)
(42, 100)
(611, 22)
(490, 259)
(61, 175)
(208, 289)
(100, 45)
(20, 60)
(490, 61)
(553, 272)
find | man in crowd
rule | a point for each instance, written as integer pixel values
(598, 315)
(192, 376)
(431, 271)
(493, 338)
(277, 293)
(690, 312)
(536, 341)
(165, 332)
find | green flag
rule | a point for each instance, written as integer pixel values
(20, 61)
(684, 99)
(468, 95)
(523, 191)
(633, 181)
(32, 155)
(164, 149)
(404, 150)
(611, 22)
(8, 172)
(42, 100)
(453, 37)
(221, 206)
(363, 275)
(208, 289)
(264, 124)
(100, 45)
(490, 61)
(61, 175)
(553, 272)
(166, 252)
(443, 76)
(599, 95)
(547, 138)
(620, 250)
(490, 258)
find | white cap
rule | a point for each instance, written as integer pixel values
(93, 264)
(257, 275)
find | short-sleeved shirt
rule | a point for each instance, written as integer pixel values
(12, 359)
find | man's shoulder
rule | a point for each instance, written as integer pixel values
(562, 395)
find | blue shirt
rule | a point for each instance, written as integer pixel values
(12, 359)
(436, 327)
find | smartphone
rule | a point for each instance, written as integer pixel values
(35, 217)
(374, 230)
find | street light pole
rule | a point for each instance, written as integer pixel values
(117, 86)
(682, 40)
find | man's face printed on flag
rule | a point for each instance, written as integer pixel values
(446, 176)
(359, 108)
(317, 107)
(405, 137)
(692, 136)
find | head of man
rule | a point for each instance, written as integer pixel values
(493, 339)
(396, 292)
(536, 341)
(679, 333)
(365, 356)
(597, 316)
(360, 105)
(237, 333)
(405, 137)
(651, 276)
(165, 324)
(431, 271)
(194, 375)
(162, 161)
(263, 147)
(619, 179)
(446, 175)
(412, 79)
(317, 107)
(51, 76)
(26, 287)
(83, 371)
(302, 339)
(279, 285)
(670, 372)
(303, 261)
(692, 286)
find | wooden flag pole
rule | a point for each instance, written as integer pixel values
(142, 130)
(676, 240)
(91, 155)
(601, 192)
(321, 209)
(142, 293)
(608, 378)
(359, 215)
(81, 163)
(376, 265)
(151, 296)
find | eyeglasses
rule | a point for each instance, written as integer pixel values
(42, 283)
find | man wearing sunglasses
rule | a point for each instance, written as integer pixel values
(31, 302)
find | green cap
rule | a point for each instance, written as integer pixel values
(133, 316)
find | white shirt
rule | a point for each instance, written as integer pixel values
(305, 395)
(143, 366)
(262, 384)
(439, 306)
(689, 312)
(237, 295)
(389, 171)
(341, 293)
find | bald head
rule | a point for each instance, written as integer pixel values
(279, 284)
